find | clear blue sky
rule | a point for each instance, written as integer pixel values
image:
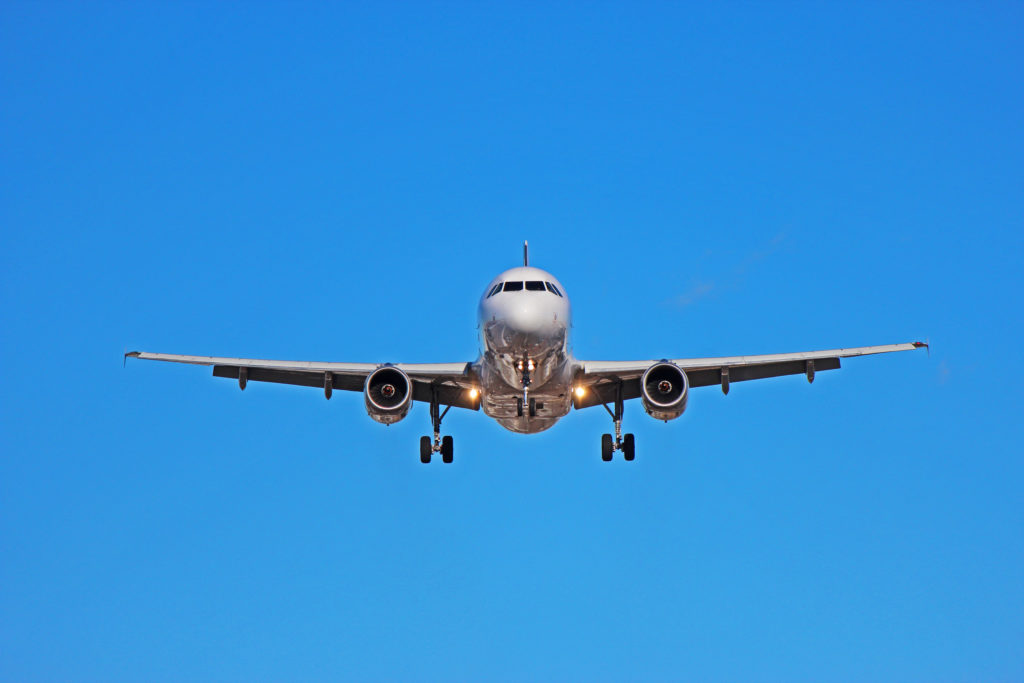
(339, 183)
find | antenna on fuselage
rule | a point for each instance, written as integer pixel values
(526, 253)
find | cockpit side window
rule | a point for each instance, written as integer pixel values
(494, 290)
(553, 289)
(534, 286)
(514, 286)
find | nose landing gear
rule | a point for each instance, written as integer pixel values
(530, 403)
(445, 446)
(624, 443)
(526, 367)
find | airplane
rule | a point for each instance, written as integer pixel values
(526, 377)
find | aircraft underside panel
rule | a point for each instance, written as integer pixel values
(527, 425)
(511, 407)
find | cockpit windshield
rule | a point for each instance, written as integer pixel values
(529, 285)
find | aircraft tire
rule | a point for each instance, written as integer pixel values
(606, 447)
(628, 447)
(447, 449)
(425, 449)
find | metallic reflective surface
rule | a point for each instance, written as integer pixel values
(525, 376)
(388, 394)
(664, 391)
(525, 353)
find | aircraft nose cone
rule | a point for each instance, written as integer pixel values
(526, 320)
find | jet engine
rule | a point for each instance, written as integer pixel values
(388, 394)
(664, 391)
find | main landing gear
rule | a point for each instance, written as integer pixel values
(626, 443)
(445, 446)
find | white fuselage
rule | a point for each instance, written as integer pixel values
(524, 323)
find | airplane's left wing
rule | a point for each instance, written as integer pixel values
(601, 379)
(452, 381)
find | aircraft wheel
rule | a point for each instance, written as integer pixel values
(606, 447)
(447, 449)
(628, 447)
(425, 449)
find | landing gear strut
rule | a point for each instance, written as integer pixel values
(626, 443)
(526, 403)
(445, 446)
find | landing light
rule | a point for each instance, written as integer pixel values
(473, 393)
(580, 391)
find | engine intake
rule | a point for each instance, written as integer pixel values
(388, 394)
(664, 391)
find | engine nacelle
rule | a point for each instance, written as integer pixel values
(664, 391)
(388, 394)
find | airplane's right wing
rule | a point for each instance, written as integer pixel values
(453, 382)
(599, 379)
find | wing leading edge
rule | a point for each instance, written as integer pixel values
(600, 378)
(453, 381)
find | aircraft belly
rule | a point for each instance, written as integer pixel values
(525, 425)
(505, 409)
(552, 401)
